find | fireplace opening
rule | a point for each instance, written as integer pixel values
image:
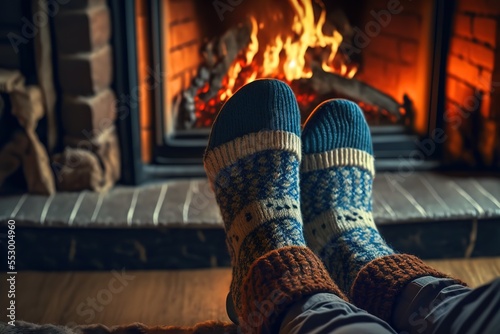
(191, 56)
(311, 46)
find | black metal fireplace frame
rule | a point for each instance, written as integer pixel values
(180, 156)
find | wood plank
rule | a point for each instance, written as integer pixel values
(60, 209)
(446, 188)
(115, 207)
(153, 298)
(146, 205)
(387, 186)
(183, 297)
(31, 208)
(474, 272)
(173, 209)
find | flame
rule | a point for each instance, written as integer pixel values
(284, 52)
(285, 57)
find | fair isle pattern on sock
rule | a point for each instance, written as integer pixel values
(336, 186)
(259, 199)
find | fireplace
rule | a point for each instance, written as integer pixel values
(425, 73)
(422, 71)
(190, 56)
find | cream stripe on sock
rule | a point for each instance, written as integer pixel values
(334, 227)
(339, 157)
(260, 214)
(227, 154)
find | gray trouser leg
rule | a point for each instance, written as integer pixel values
(436, 305)
(327, 313)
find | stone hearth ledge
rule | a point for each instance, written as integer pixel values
(428, 214)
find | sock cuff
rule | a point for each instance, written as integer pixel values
(339, 157)
(278, 279)
(379, 283)
(227, 154)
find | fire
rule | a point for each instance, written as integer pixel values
(285, 57)
(285, 53)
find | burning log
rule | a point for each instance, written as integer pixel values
(219, 55)
(325, 83)
(247, 52)
(228, 47)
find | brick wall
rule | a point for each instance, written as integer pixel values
(394, 61)
(88, 104)
(182, 57)
(473, 84)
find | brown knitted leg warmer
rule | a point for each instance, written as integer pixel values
(277, 280)
(379, 283)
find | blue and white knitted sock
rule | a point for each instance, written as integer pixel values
(336, 189)
(253, 163)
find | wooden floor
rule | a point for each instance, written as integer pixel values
(156, 297)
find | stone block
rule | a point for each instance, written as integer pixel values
(86, 73)
(86, 117)
(83, 30)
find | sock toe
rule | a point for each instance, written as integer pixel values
(336, 124)
(258, 106)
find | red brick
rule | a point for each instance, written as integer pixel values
(473, 52)
(380, 74)
(482, 55)
(87, 117)
(463, 25)
(485, 7)
(451, 86)
(83, 30)
(460, 92)
(408, 52)
(463, 91)
(484, 29)
(183, 33)
(180, 10)
(407, 26)
(410, 7)
(460, 46)
(385, 47)
(406, 81)
(373, 67)
(463, 69)
(86, 73)
(484, 80)
(183, 59)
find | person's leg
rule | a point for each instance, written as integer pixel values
(336, 189)
(437, 305)
(327, 313)
(252, 162)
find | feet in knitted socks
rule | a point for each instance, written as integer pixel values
(252, 162)
(336, 189)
